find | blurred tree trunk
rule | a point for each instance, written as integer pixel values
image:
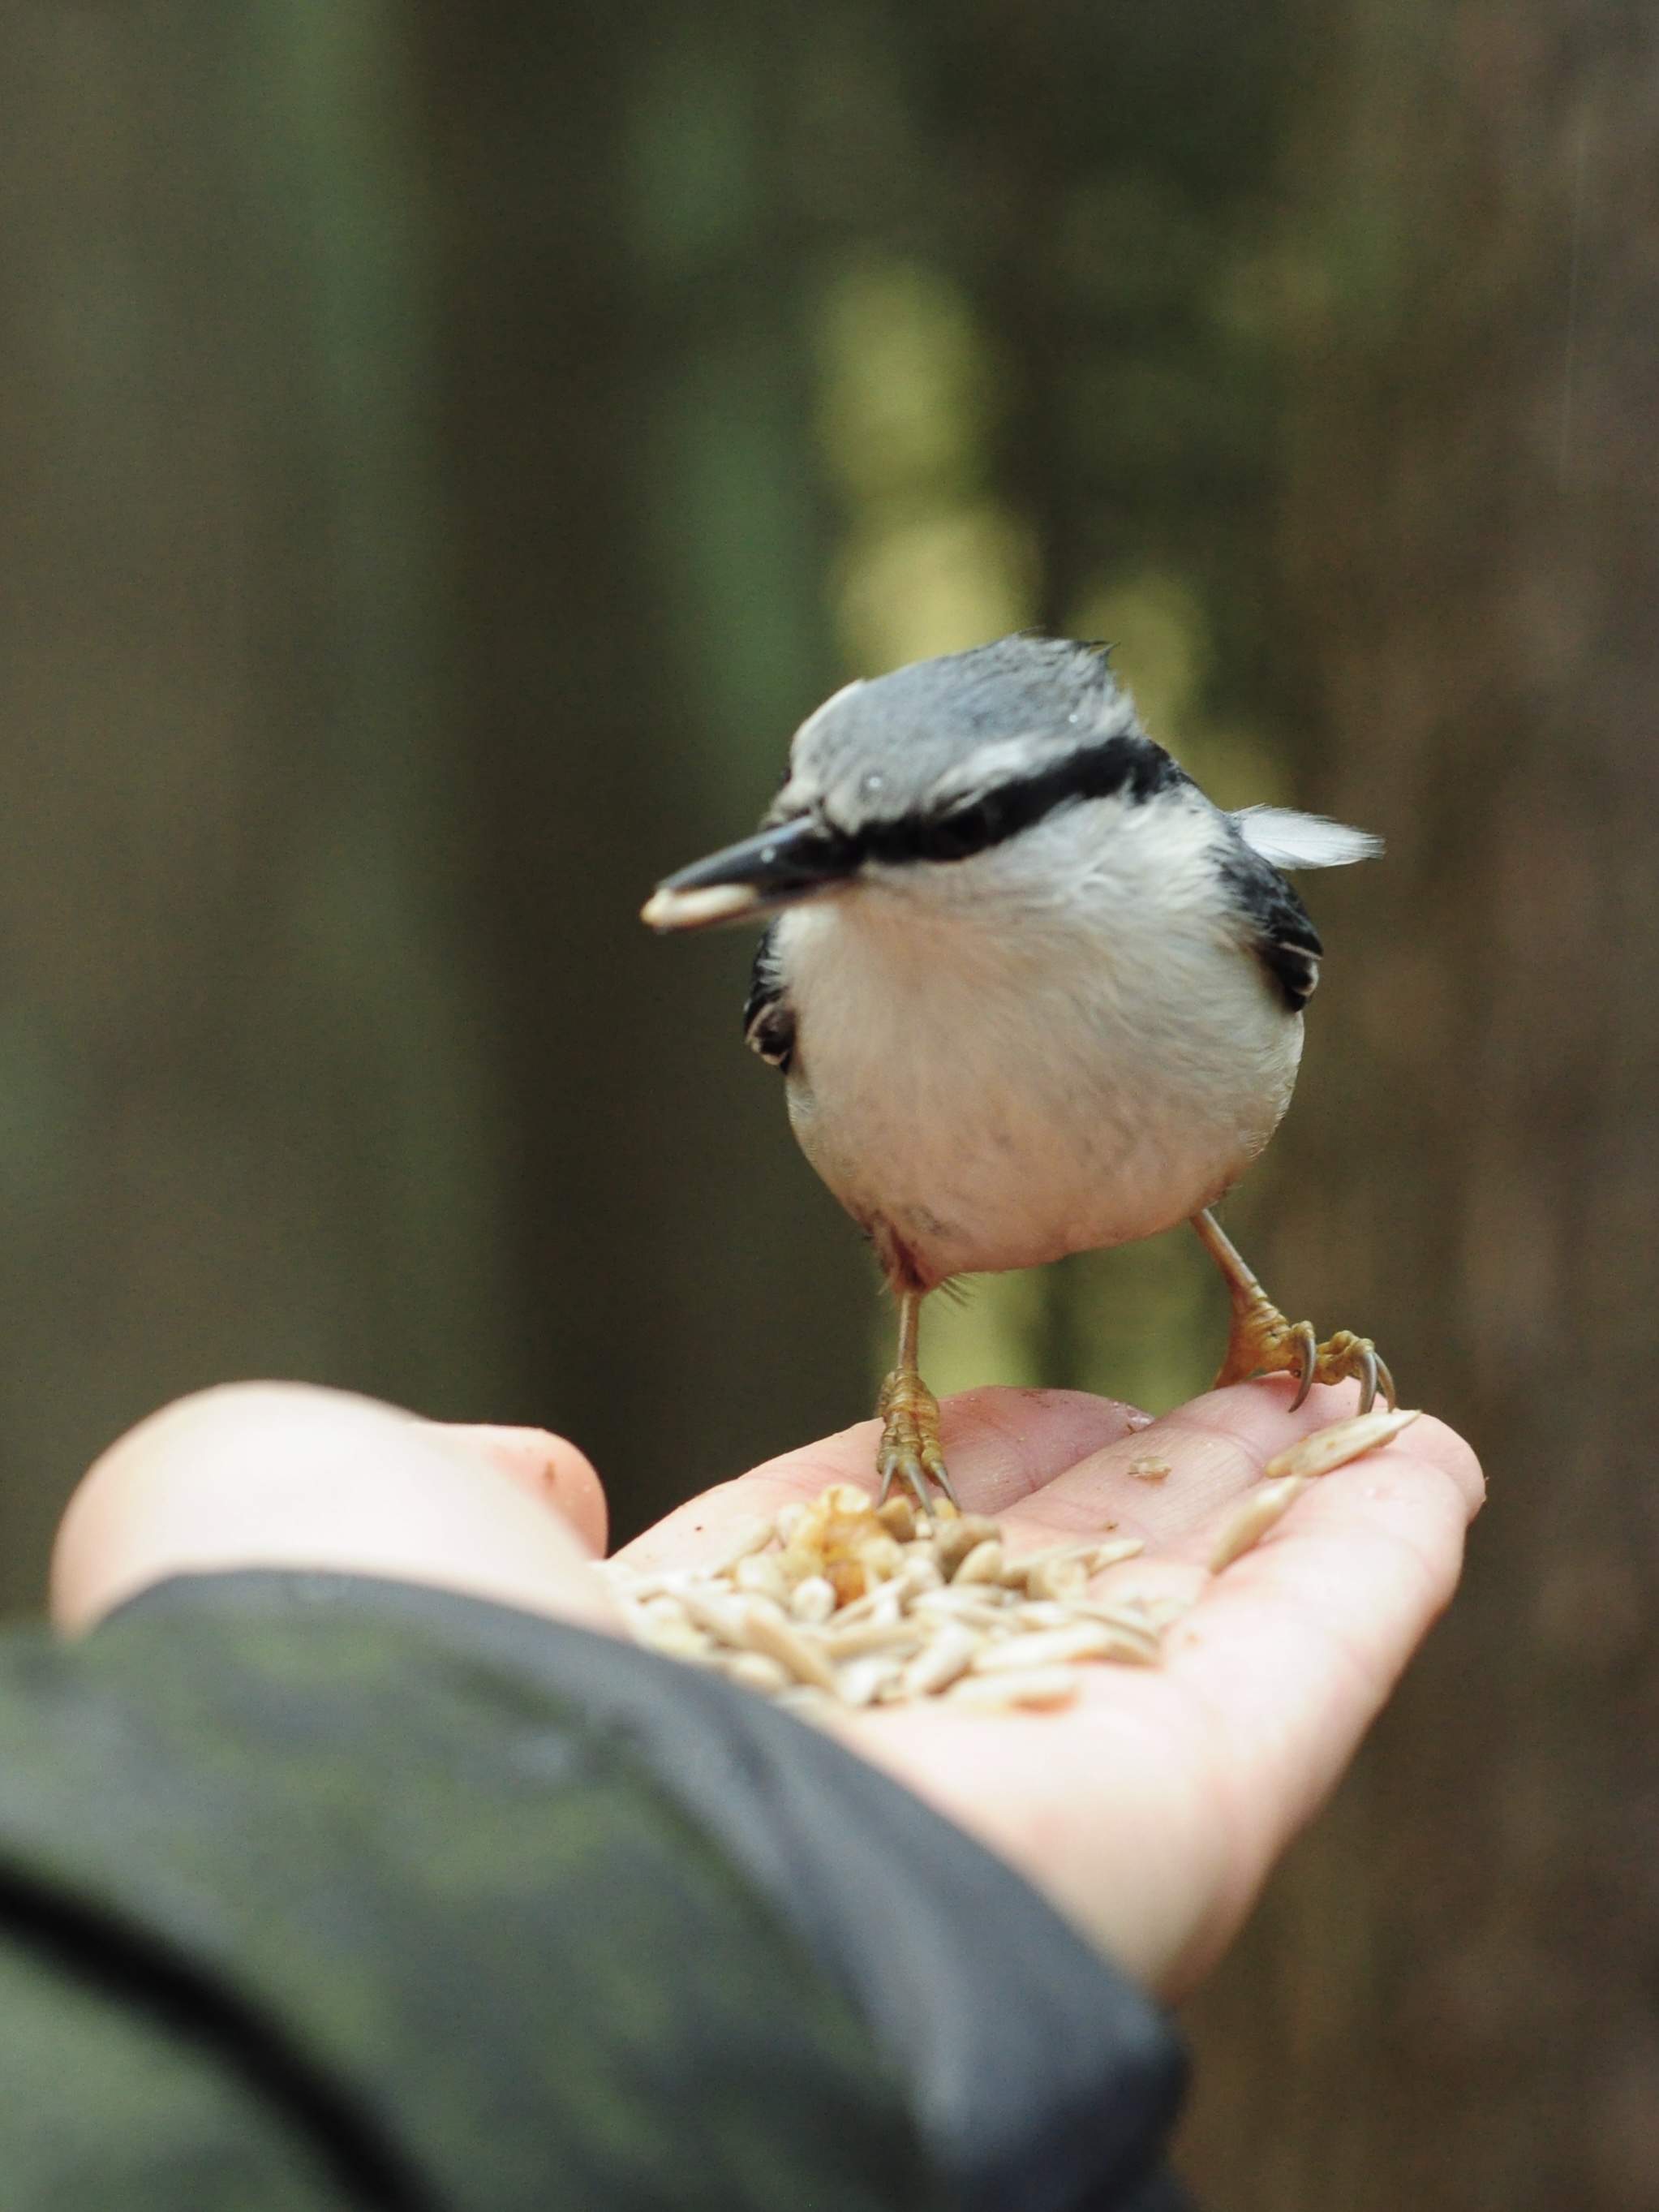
(1448, 1999)
(637, 568)
(243, 1127)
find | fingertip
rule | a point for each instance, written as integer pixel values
(1429, 1438)
(550, 1466)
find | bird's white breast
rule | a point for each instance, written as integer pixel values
(1063, 1042)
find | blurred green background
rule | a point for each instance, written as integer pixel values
(443, 452)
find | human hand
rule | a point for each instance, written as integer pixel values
(1150, 1810)
(286, 1475)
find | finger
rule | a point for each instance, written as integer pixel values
(1000, 1445)
(1294, 1649)
(548, 1466)
(1057, 1462)
(279, 1475)
(1168, 1484)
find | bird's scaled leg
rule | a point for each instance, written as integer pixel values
(909, 1446)
(1263, 1342)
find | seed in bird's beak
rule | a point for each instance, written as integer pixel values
(696, 909)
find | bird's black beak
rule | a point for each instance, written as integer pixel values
(775, 869)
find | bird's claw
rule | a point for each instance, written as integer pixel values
(1263, 1342)
(909, 1446)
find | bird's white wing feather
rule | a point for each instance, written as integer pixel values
(1291, 840)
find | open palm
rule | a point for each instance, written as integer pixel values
(1152, 1808)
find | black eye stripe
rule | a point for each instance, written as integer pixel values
(1131, 765)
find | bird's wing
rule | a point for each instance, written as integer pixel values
(1291, 840)
(1280, 932)
(768, 1019)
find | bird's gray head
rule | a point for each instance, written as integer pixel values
(929, 765)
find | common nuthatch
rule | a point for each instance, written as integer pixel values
(1031, 992)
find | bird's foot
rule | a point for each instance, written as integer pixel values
(1263, 1342)
(910, 1447)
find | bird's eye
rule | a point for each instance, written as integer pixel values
(969, 829)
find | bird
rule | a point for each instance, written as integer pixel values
(1030, 991)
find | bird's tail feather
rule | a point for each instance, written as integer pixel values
(1291, 840)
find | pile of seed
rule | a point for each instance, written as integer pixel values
(841, 1604)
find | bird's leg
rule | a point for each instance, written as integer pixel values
(909, 1446)
(1263, 1342)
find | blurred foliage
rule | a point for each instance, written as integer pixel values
(930, 561)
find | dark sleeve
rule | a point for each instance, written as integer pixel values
(403, 1898)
